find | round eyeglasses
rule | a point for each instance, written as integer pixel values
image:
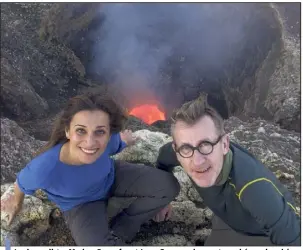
(204, 148)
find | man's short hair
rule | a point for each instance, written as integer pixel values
(190, 112)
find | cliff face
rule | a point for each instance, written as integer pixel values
(36, 76)
(276, 92)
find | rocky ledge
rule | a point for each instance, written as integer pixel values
(40, 222)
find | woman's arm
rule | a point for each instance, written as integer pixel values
(18, 195)
(11, 203)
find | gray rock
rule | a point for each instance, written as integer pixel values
(18, 94)
(261, 130)
(188, 213)
(185, 185)
(146, 149)
(37, 76)
(163, 240)
(200, 236)
(283, 99)
(17, 149)
(281, 152)
(208, 213)
(275, 135)
(33, 219)
(193, 195)
(189, 223)
(187, 192)
(13, 237)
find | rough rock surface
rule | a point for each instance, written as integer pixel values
(284, 97)
(276, 90)
(17, 149)
(190, 224)
(30, 223)
(146, 148)
(36, 76)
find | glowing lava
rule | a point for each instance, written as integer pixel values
(148, 113)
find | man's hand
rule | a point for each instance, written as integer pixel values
(128, 137)
(164, 214)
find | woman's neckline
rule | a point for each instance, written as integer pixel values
(68, 164)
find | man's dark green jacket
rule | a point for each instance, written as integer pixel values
(251, 200)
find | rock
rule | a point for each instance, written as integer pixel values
(275, 95)
(164, 126)
(184, 183)
(17, 149)
(19, 95)
(146, 149)
(200, 236)
(282, 152)
(29, 224)
(40, 129)
(190, 219)
(4, 187)
(13, 237)
(261, 130)
(298, 188)
(188, 213)
(275, 135)
(187, 190)
(133, 123)
(193, 195)
(163, 240)
(78, 15)
(283, 99)
(208, 213)
(37, 76)
(281, 175)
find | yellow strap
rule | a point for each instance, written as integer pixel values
(264, 179)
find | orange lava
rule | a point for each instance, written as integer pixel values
(148, 113)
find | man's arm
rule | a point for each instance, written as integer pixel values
(167, 158)
(275, 215)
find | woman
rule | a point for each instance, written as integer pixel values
(77, 173)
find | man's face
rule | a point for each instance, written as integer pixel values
(203, 169)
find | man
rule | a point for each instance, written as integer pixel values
(251, 206)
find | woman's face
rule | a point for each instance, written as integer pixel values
(88, 134)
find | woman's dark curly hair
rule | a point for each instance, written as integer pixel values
(91, 102)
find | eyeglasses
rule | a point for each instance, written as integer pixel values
(204, 148)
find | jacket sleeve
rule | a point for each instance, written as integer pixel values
(167, 158)
(276, 216)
